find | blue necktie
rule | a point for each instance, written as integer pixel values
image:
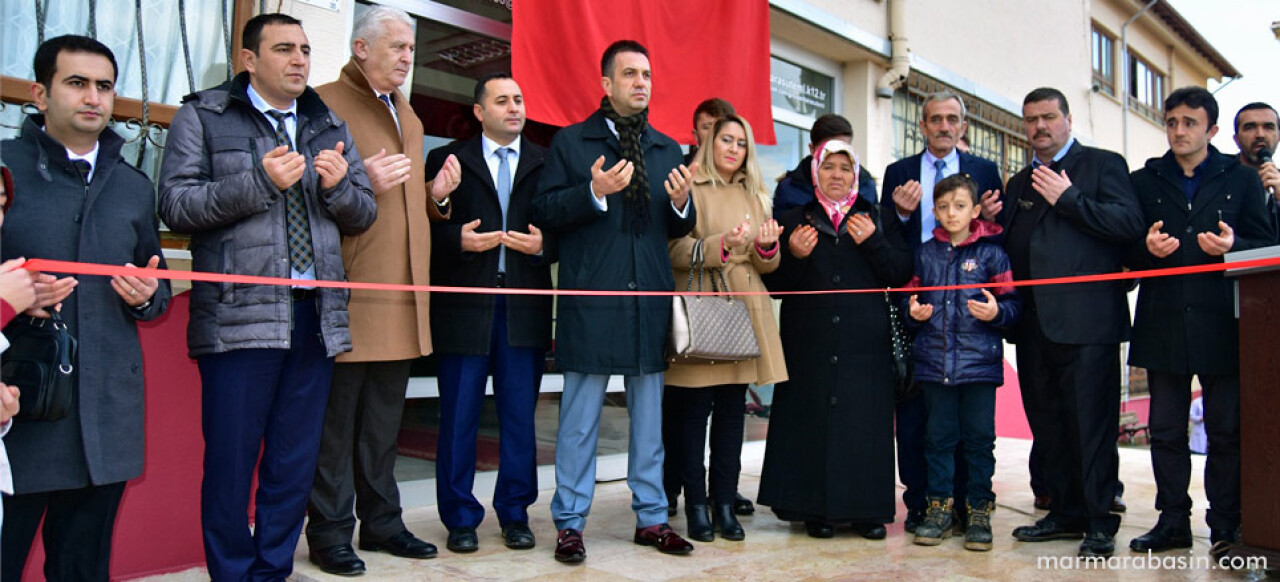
(504, 199)
(386, 100)
(926, 215)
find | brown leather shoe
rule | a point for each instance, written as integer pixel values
(569, 547)
(664, 538)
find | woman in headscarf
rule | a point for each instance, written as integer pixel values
(740, 238)
(829, 457)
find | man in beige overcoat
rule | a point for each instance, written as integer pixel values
(388, 330)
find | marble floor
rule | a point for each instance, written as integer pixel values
(776, 550)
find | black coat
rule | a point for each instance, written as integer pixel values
(830, 449)
(983, 171)
(598, 250)
(111, 221)
(461, 322)
(1086, 233)
(1186, 324)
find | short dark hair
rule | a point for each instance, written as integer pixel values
(1251, 107)
(1194, 98)
(955, 182)
(46, 61)
(620, 46)
(1046, 94)
(483, 82)
(713, 107)
(252, 35)
(827, 127)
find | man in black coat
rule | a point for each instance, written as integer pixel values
(1070, 212)
(76, 199)
(1257, 134)
(1200, 205)
(613, 192)
(488, 241)
(908, 188)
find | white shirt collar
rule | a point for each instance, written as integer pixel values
(91, 157)
(261, 104)
(952, 159)
(488, 146)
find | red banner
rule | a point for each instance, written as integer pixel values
(698, 49)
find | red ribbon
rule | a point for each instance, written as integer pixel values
(76, 268)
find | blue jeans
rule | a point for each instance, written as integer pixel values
(960, 416)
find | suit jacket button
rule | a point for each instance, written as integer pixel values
(835, 319)
(835, 359)
(835, 278)
(631, 285)
(833, 400)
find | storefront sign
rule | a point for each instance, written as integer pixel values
(800, 90)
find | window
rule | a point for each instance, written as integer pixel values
(1146, 89)
(1104, 77)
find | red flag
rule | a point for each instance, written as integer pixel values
(698, 49)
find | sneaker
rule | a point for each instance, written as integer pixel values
(937, 523)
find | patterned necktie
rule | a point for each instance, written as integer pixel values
(504, 199)
(83, 167)
(299, 231)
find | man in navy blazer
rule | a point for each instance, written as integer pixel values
(908, 194)
(488, 241)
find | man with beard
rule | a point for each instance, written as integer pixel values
(1256, 130)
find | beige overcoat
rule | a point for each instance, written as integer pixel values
(720, 209)
(397, 248)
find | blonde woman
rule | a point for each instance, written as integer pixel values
(740, 238)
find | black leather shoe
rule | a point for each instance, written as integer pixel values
(742, 505)
(1097, 545)
(698, 518)
(871, 531)
(673, 503)
(518, 536)
(1221, 543)
(463, 540)
(1046, 529)
(339, 559)
(1162, 538)
(724, 520)
(819, 529)
(403, 544)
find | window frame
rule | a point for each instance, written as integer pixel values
(1104, 80)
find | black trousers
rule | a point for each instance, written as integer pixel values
(78, 526)
(671, 430)
(727, 407)
(1071, 394)
(358, 455)
(1171, 457)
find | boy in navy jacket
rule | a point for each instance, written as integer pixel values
(959, 356)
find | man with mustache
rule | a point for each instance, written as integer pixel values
(1256, 129)
(1200, 204)
(388, 329)
(908, 187)
(488, 241)
(1070, 212)
(613, 193)
(266, 179)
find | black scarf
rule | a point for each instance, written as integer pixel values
(630, 130)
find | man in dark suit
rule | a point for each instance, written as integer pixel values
(908, 187)
(1257, 128)
(1199, 204)
(613, 193)
(489, 242)
(1070, 212)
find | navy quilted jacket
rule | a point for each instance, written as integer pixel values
(952, 346)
